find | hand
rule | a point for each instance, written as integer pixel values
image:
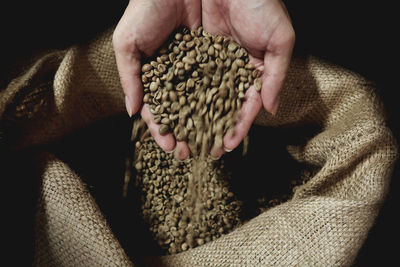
(143, 28)
(264, 28)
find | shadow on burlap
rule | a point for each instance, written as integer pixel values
(325, 222)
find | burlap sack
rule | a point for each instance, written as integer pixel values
(324, 224)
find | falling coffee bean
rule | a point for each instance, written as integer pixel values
(205, 76)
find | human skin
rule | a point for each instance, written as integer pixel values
(263, 27)
(143, 28)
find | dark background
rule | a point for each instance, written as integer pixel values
(357, 35)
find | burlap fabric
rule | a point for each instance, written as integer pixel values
(324, 224)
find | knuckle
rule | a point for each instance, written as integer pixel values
(291, 35)
(122, 41)
(287, 37)
(116, 37)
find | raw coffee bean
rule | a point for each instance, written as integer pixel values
(219, 39)
(190, 83)
(182, 100)
(165, 121)
(165, 96)
(169, 86)
(249, 66)
(146, 67)
(187, 37)
(239, 62)
(164, 129)
(189, 60)
(178, 36)
(161, 68)
(175, 106)
(173, 96)
(256, 73)
(154, 64)
(257, 84)
(242, 72)
(181, 86)
(197, 74)
(153, 86)
(149, 74)
(146, 98)
(166, 104)
(157, 119)
(210, 51)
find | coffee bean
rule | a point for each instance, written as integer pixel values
(175, 106)
(187, 37)
(210, 51)
(154, 64)
(257, 84)
(146, 67)
(181, 86)
(178, 36)
(182, 100)
(153, 86)
(163, 129)
(207, 74)
(242, 72)
(189, 60)
(219, 39)
(172, 96)
(157, 119)
(256, 73)
(232, 47)
(146, 98)
(249, 66)
(165, 121)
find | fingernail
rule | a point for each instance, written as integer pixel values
(128, 106)
(171, 151)
(214, 158)
(177, 155)
(227, 150)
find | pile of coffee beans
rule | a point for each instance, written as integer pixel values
(182, 209)
(195, 86)
(174, 220)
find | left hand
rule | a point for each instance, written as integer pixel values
(145, 25)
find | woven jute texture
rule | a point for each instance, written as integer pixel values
(325, 222)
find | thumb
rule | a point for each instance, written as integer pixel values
(272, 81)
(276, 65)
(129, 71)
(128, 60)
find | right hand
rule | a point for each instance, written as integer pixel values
(143, 28)
(264, 28)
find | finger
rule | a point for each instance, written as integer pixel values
(192, 14)
(216, 152)
(276, 64)
(212, 19)
(166, 142)
(251, 107)
(128, 64)
(182, 150)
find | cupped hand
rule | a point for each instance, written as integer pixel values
(264, 28)
(143, 28)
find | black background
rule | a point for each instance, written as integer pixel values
(357, 35)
